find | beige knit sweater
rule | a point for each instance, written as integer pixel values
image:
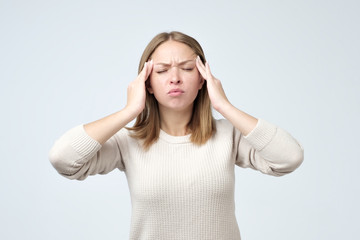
(180, 190)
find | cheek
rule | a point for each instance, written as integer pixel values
(155, 84)
(194, 78)
(152, 80)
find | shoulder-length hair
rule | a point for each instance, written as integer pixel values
(147, 124)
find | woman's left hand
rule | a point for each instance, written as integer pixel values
(216, 92)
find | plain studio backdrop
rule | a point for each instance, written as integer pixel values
(293, 63)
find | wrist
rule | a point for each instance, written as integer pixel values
(130, 112)
(223, 107)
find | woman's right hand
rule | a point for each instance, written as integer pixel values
(136, 91)
(103, 129)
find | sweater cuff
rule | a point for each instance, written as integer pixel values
(261, 135)
(83, 144)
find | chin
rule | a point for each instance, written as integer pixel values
(178, 107)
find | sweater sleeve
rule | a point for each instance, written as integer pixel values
(269, 149)
(76, 155)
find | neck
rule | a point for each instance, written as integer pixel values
(175, 122)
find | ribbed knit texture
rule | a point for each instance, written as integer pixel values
(180, 191)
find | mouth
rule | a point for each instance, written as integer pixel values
(175, 92)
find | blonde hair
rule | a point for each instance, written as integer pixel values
(147, 124)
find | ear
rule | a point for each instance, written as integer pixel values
(201, 83)
(148, 86)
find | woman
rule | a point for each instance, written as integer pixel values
(178, 160)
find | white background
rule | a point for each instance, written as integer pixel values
(293, 63)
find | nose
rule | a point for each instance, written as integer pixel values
(175, 76)
(175, 81)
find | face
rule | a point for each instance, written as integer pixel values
(175, 80)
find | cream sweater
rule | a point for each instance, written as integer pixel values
(180, 190)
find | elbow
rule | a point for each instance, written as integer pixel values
(284, 154)
(289, 163)
(57, 160)
(66, 164)
(62, 163)
(296, 159)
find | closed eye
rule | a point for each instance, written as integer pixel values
(188, 69)
(161, 71)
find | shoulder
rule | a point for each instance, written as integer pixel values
(224, 129)
(125, 140)
(124, 135)
(224, 125)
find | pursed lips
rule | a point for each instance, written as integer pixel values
(176, 90)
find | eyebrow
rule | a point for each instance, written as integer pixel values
(180, 64)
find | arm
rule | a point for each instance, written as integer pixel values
(76, 155)
(103, 129)
(269, 149)
(261, 146)
(244, 122)
(93, 148)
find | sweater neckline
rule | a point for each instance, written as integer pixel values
(174, 139)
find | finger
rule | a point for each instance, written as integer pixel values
(144, 74)
(208, 71)
(200, 66)
(143, 70)
(149, 68)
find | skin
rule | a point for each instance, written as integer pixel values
(244, 122)
(175, 82)
(173, 66)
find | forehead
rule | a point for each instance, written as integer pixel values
(173, 51)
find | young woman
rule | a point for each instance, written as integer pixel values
(179, 161)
